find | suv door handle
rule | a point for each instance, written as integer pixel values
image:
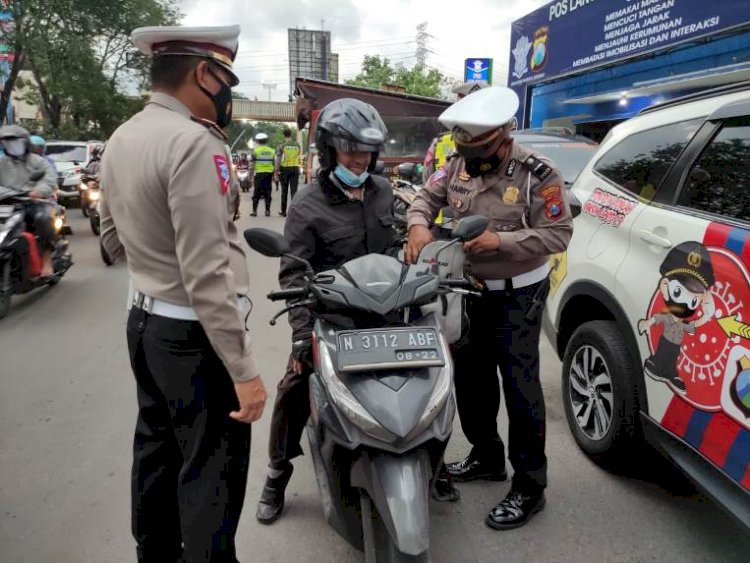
(651, 238)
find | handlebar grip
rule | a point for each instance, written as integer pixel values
(286, 294)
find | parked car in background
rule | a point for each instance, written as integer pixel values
(70, 158)
(570, 152)
(649, 309)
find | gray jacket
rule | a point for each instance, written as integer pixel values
(15, 174)
(327, 229)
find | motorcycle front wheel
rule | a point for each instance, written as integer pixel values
(379, 546)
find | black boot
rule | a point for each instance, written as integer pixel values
(516, 509)
(442, 487)
(474, 467)
(255, 211)
(268, 212)
(271, 501)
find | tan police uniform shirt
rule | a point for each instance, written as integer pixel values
(166, 181)
(528, 210)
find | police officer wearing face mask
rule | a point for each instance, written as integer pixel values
(522, 194)
(344, 214)
(16, 168)
(168, 203)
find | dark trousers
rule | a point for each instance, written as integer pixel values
(289, 181)
(290, 413)
(190, 459)
(263, 183)
(504, 334)
(665, 359)
(39, 221)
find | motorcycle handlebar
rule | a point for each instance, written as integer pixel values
(286, 294)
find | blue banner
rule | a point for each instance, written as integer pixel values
(476, 70)
(568, 36)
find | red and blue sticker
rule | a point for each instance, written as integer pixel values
(222, 171)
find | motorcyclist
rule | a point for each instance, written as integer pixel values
(16, 169)
(243, 163)
(92, 168)
(343, 214)
(37, 145)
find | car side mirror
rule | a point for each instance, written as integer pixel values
(470, 227)
(267, 242)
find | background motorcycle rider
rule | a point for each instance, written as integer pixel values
(261, 166)
(92, 168)
(16, 167)
(343, 214)
(37, 145)
(523, 196)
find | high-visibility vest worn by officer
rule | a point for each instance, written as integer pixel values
(264, 159)
(290, 153)
(443, 148)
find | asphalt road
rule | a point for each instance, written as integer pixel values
(68, 407)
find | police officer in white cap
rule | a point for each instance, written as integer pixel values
(167, 181)
(522, 194)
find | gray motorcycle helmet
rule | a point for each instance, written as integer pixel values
(349, 125)
(13, 132)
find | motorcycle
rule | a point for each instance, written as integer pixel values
(243, 175)
(381, 390)
(20, 260)
(406, 185)
(93, 198)
(88, 185)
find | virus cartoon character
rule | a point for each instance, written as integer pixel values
(686, 276)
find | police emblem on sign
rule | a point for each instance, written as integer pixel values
(222, 171)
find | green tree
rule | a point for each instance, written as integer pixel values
(82, 61)
(377, 72)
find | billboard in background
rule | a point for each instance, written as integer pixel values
(569, 36)
(310, 56)
(478, 70)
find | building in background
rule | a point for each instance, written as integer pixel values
(587, 65)
(310, 56)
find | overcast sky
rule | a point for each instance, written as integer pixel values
(468, 28)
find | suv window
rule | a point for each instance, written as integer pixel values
(719, 181)
(639, 162)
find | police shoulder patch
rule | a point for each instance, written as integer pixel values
(211, 126)
(553, 203)
(537, 167)
(222, 171)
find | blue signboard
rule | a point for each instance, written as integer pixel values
(566, 37)
(478, 70)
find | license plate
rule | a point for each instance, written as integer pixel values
(6, 211)
(366, 350)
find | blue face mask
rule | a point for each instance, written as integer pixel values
(350, 178)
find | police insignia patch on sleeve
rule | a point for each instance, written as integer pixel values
(222, 171)
(553, 204)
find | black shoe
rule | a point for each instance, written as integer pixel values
(268, 212)
(254, 214)
(515, 510)
(473, 468)
(443, 489)
(282, 213)
(271, 501)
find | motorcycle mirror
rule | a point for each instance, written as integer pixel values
(575, 204)
(36, 176)
(267, 242)
(470, 227)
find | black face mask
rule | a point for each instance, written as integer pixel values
(222, 101)
(679, 310)
(476, 167)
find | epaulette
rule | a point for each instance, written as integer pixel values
(210, 125)
(537, 167)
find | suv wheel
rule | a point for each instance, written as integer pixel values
(599, 391)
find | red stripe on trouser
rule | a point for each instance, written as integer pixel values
(719, 437)
(677, 417)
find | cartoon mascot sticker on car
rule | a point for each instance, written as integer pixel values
(687, 275)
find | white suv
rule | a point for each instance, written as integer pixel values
(650, 307)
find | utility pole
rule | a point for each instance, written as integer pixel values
(422, 36)
(269, 86)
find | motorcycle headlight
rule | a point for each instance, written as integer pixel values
(94, 195)
(58, 224)
(343, 398)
